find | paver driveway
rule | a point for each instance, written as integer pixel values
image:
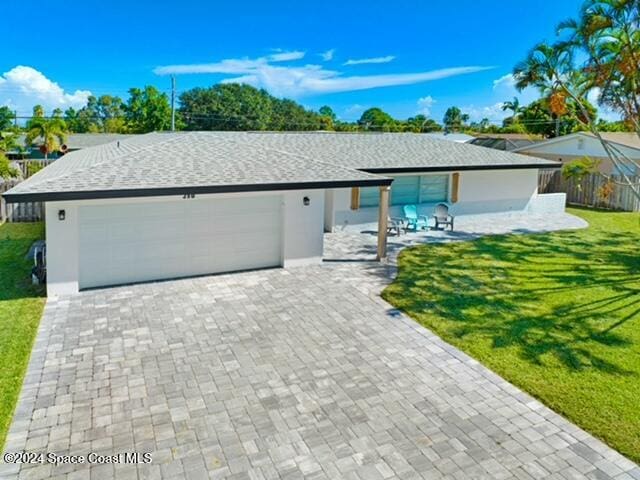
(304, 373)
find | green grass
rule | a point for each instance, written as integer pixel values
(21, 307)
(556, 314)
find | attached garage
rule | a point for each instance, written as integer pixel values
(133, 242)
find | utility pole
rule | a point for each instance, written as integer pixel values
(173, 103)
(15, 118)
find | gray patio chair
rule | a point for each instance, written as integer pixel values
(442, 217)
(395, 224)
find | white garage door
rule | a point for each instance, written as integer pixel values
(123, 243)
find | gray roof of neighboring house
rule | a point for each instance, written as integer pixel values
(506, 141)
(77, 141)
(452, 137)
(627, 139)
(211, 162)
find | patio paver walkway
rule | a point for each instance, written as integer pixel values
(300, 373)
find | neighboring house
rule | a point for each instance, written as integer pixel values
(167, 205)
(582, 144)
(506, 141)
(452, 137)
(75, 141)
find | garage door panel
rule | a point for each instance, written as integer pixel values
(127, 243)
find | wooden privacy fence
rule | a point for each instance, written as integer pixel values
(19, 212)
(29, 167)
(592, 191)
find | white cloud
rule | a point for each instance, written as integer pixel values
(425, 104)
(23, 87)
(505, 81)
(494, 112)
(360, 61)
(355, 108)
(328, 55)
(281, 56)
(300, 80)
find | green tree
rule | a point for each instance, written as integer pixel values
(377, 119)
(38, 111)
(599, 50)
(289, 115)
(615, 126)
(226, 107)
(327, 117)
(7, 143)
(607, 36)
(6, 170)
(538, 118)
(454, 119)
(327, 111)
(235, 106)
(421, 124)
(147, 110)
(514, 106)
(6, 118)
(74, 121)
(50, 133)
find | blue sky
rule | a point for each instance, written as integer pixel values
(406, 57)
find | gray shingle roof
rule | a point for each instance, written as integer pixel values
(390, 151)
(209, 162)
(174, 163)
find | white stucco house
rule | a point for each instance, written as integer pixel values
(568, 148)
(169, 205)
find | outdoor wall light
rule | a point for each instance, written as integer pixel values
(61, 215)
(306, 201)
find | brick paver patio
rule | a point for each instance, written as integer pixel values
(301, 373)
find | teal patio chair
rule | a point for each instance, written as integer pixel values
(414, 221)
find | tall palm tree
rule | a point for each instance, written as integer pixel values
(608, 32)
(598, 50)
(514, 106)
(51, 132)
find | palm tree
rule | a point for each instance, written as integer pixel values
(514, 106)
(52, 132)
(607, 32)
(452, 119)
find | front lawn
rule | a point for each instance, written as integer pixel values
(556, 314)
(21, 306)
